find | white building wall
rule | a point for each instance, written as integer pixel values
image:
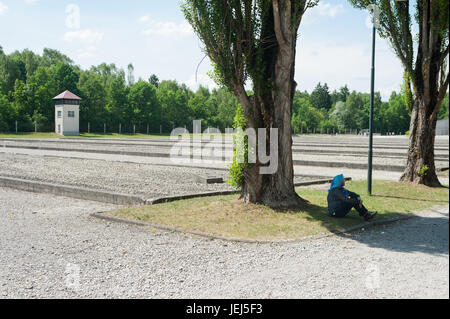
(59, 120)
(70, 126)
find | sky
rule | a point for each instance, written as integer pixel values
(334, 44)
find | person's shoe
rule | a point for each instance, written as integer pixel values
(370, 216)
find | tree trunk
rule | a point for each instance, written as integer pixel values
(273, 109)
(430, 82)
(276, 190)
(420, 168)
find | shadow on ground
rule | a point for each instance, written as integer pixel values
(408, 198)
(429, 235)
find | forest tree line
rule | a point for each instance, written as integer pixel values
(110, 95)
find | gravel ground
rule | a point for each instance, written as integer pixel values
(144, 148)
(128, 178)
(306, 172)
(336, 140)
(51, 248)
(122, 177)
(361, 159)
(157, 176)
(162, 143)
(339, 158)
(159, 147)
(357, 174)
(341, 154)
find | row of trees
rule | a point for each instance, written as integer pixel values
(322, 111)
(110, 96)
(28, 82)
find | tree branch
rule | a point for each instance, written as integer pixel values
(301, 11)
(391, 30)
(403, 10)
(277, 25)
(444, 55)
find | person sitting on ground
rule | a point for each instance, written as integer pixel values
(341, 200)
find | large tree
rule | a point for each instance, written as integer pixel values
(424, 58)
(255, 41)
(320, 97)
(144, 104)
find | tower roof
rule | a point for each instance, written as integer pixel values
(66, 95)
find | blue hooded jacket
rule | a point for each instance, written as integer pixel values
(340, 200)
(336, 182)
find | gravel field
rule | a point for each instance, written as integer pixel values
(305, 172)
(159, 176)
(297, 155)
(311, 138)
(51, 248)
(129, 178)
(298, 151)
(362, 159)
(165, 149)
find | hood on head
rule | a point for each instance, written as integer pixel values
(337, 181)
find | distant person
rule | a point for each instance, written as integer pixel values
(341, 200)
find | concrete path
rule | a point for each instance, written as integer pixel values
(51, 248)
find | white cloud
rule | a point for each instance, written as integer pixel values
(144, 19)
(30, 1)
(202, 79)
(323, 9)
(347, 63)
(165, 28)
(86, 36)
(87, 53)
(3, 8)
(329, 10)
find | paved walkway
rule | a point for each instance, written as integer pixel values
(50, 247)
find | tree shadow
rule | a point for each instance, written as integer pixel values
(428, 235)
(408, 198)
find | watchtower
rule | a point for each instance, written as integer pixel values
(67, 114)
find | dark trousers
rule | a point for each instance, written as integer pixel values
(346, 208)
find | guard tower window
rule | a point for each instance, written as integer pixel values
(59, 114)
(71, 114)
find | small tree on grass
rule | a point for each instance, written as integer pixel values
(425, 63)
(236, 178)
(255, 40)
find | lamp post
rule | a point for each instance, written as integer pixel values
(375, 16)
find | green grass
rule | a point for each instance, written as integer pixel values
(86, 135)
(138, 135)
(124, 135)
(227, 216)
(30, 135)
